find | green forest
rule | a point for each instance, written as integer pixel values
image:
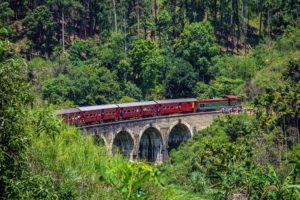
(65, 53)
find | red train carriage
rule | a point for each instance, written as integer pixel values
(99, 113)
(112, 112)
(173, 106)
(69, 115)
(137, 109)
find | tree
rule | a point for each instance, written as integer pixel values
(40, 29)
(164, 24)
(132, 91)
(202, 91)
(226, 86)
(139, 51)
(58, 89)
(112, 51)
(14, 136)
(198, 46)
(5, 13)
(84, 85)
(154, 68)
(180, 80)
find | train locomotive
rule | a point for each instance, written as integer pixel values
(124, 111)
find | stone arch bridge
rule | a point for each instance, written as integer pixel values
(150, 139)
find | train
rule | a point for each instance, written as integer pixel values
(125, 111)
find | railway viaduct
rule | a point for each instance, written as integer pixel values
(150, 139)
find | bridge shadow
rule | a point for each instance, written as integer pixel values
(151, 145)
(123, 144)
(180, 133)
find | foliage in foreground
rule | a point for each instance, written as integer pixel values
(64, 164)
(228, 159)
(41, 158)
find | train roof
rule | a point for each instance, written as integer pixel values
(66, 111)
(176, 100)
(214, 100)
(98, 107)
(231, 97)
(132, 104)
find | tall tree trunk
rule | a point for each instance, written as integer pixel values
(260, 18)
(215, 11)
(153, 34)
(115, 15)
(237, 21)
(138, 16)
(244, 24)
(91, 19)
(125, 34)
(232, 25)
(269, 24)
(285, 138)
(63, 30)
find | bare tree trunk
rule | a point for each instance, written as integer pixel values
(232, 25)
(237, 21)
(138, 16)
(63, 30)
(91, 19)
(285, 137)
(244, 24)
(115, 15)
(125, 34)
(269, 28)
(260, 23)
(155, 10)
(153, 35)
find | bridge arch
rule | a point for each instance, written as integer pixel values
(99, 139)
(179, 132)
(150, 146)
(123, 142)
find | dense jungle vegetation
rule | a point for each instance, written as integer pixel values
(63, 53)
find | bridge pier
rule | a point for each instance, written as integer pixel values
(150, 139)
